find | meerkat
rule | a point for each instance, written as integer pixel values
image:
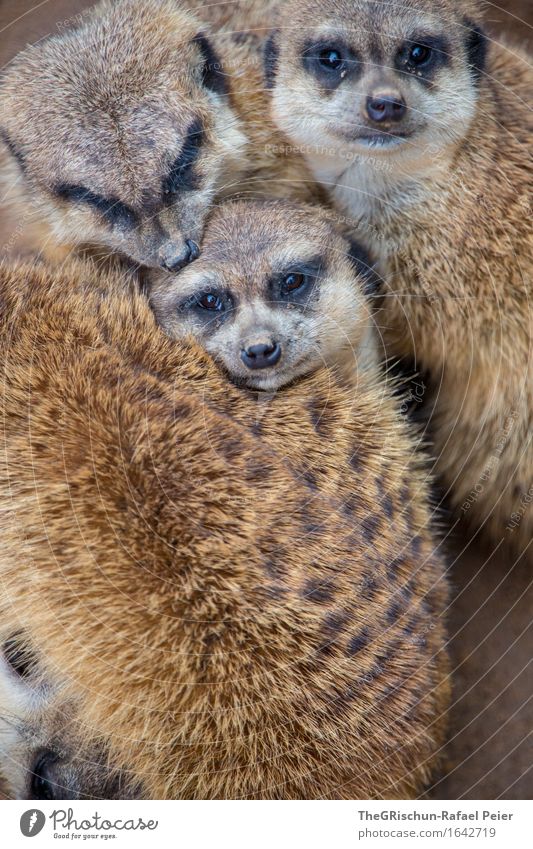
(277, 293)
(118, 133)
(240, 599)
(40, 756)
(421, 131)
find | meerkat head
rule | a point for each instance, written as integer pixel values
(42, 753)
(277, 292)
(121, 130)
(367, 77)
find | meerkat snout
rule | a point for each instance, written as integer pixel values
(386, 107)
(276, 293)
(261, 355)
(174, 259)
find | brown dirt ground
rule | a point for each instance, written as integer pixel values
(490, 753)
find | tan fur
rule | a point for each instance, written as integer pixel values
(249, 248)
(449, 213)
(243, 598)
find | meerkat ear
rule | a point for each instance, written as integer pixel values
(365, 268)
(271, 56)
(476, 46)
(213, 74)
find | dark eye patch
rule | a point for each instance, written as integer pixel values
(180, 176)
(213, 76)
(209, 305)
(309, 269)
(19, 656)
(362, 263)
(437, 48)
(270, 58)
(331, 61)
(477, 47)
(115, 212)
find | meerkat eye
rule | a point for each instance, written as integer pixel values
(292, 283)
(331, 59)
(295, 286)
(208, 304)
(419, 54)
(331, 63)
(210, 301)
(424, 54)
(292, 288)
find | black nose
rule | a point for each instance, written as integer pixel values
(261, 356)
(385, 109)
(188, 254)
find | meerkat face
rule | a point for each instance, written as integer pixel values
(40, 752)
(365, 77)
(122, 131)
(276, 293)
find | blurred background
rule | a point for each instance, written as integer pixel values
(490, 751)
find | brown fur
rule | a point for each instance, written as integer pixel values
(449, 213)
(243, 598)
